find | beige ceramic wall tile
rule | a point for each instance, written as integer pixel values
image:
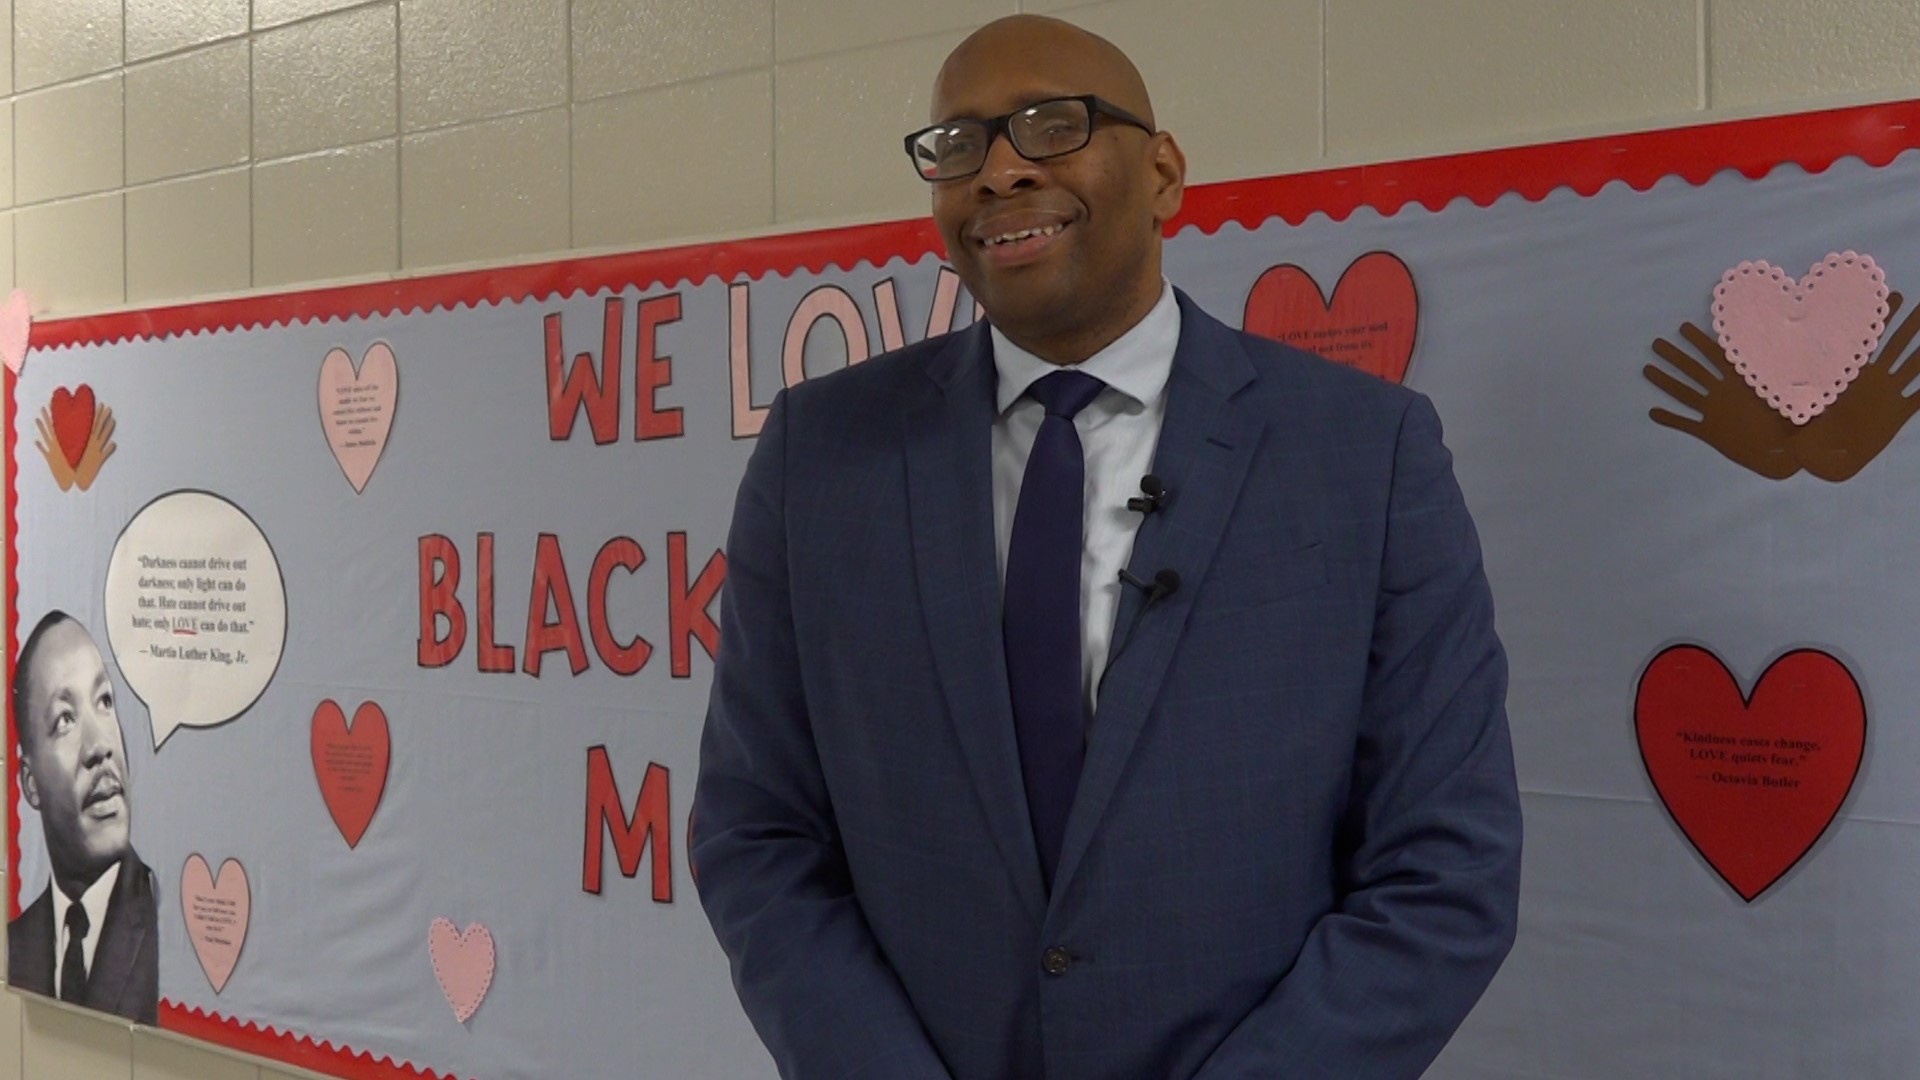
(328, 82)
(681, 161)
(1404, 78)
(57, 40)
(493, 190)
(67, 141)
(163, 26)
(331, 215)
(189, 238)
(274, 12)
(1767, 51)
(812, 27)
(623, 45)
(471, 59)
(6, 159)
(6, 285)
(75, 1046)
(156, 1057)
(6, 54)
(188, 113)
(838, 122)
(1237, 82)
(70, 257)
(10, 1019)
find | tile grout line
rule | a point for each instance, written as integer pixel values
(773, 111)
(399, 155)
(573, 187)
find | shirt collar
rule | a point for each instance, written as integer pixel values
(1136, 364)
(95, 900)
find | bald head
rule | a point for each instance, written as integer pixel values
(1077, 61)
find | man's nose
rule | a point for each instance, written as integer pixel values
(1005, 170)
(97, 741)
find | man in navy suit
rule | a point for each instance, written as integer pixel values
(90, 938)
(1277, 834)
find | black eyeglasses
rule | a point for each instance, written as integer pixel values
(956, 149)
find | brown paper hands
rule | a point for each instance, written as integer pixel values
(99, 447)
(1834, 445)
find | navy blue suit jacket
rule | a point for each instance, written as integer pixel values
(1294, 851)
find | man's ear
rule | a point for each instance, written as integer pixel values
(1169, 177)
(27, 786)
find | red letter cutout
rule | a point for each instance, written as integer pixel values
(439, 577)
(550, 587)
(623, 553)
(600, 393)
(687, 609)
(651, 371)
(492, 655)
(631, 836)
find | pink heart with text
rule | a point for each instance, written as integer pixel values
(356, 408)
(217, 908)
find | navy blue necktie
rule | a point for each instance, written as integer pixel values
(1041, 612)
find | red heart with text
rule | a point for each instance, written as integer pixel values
(351, 764)
(1753, 781)
(1368, 324)
(73, 421)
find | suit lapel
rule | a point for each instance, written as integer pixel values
(30, 964)
(1206, 444)
(949, 452)
(128, 922)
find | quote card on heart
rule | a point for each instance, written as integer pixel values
(356, 408)
(351, 762)
(217, 908)
(1369, 322)
(1752, 780)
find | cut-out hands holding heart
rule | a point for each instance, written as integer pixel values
(1833, 445)
(77, 464)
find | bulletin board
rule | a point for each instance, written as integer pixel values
(404, 597)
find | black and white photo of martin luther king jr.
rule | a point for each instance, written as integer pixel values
(91, 938)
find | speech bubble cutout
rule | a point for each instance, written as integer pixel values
(196, 610)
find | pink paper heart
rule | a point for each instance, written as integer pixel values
(356, 408)
(1799, 344)
(16, 326)
(217, 908)
(463, 962)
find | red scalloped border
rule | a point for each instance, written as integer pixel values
(285, 1046)
(1814, 141)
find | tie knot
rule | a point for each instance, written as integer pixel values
(1064, 393)
(77, 921)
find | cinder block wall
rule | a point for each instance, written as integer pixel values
(166, 150)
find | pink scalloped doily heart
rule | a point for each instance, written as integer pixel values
(463, 964)
(16, 329)
(1799, 344)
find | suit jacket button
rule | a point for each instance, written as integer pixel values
(1056, 961)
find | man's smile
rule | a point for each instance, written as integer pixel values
(1013, 239)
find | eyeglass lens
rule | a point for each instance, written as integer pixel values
(1047, 129)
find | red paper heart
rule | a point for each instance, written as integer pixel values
(73, 421)
(351, 764)
(1369, 323)
(1753, 781)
